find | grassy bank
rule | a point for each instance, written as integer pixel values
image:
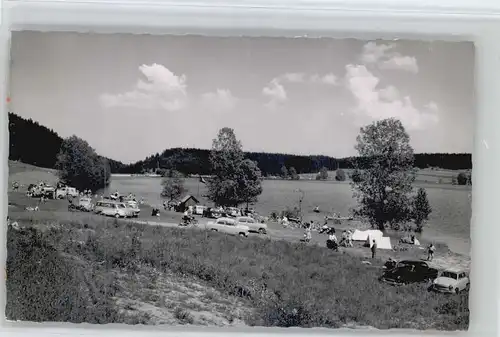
(286, 284)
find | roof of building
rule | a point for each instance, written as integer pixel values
(187, 197)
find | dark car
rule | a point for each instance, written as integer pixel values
(407, 272)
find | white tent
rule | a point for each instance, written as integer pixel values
(363, 235)
(383, 242)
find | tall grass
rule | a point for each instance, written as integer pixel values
(289, 284)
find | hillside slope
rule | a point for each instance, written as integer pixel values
(35, 144)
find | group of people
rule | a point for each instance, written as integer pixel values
(188, 215)
(345, 241)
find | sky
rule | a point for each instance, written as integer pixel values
(131, 96)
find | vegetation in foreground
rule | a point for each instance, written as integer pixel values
(287, 284)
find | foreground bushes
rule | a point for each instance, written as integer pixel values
(42, 285)
(289, 284)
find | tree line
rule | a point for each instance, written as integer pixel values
(197, 161)
(35, 144)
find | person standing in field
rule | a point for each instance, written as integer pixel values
(374, 249)
(431, 251)
(307, 234)
(349, 238)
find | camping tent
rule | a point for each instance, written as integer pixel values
(363, 235)
(383, 242)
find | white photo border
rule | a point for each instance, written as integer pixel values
(455, 20)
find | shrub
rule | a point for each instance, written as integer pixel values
(340, 175)
(44, 286)
(293, 174)
(323, 174)
(291, 213)
(462, 178)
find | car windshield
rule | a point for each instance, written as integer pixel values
(450, 274)
(121, 206)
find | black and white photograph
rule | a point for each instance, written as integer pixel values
(239, 181)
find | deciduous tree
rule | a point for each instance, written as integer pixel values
(340, 175)
(234, 180)
(173, 185)
(385, 185)
(421, 209)
(293, 174)
(284, 172)
(323, 174)
(79, 165)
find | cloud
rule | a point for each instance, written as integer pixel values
(161, 89)
(377, 104)
(221, 100)
(275, 92)
(381, 55)
(303, 78)
(398, 62)
(293, 77)
(329, 79)
(372, 52)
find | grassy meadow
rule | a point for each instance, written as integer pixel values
(90, 270)
(100, 270)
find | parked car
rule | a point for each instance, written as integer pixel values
(85, 204)
(228, 226)
(451, 281)
(111, 208)
(408, 271)
(133, 207)
(252, 224)
(37, 191)
(233, 211)
(66, 191)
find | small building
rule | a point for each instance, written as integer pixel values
(185, 202)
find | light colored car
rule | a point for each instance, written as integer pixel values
(252, 224)
(451, 281)
(111, 208)
(233, 211)
(65, 191)
(133, 207)
(85, 203)
(228, 226)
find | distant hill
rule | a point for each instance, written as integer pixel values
(196, 161)
(35, 144)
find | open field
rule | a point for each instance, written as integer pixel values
(429, 175)
(264, 282)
